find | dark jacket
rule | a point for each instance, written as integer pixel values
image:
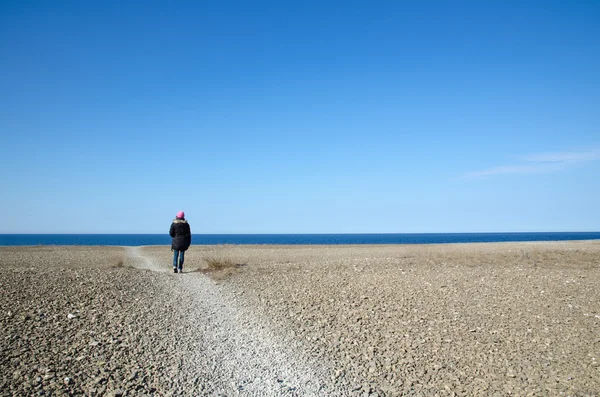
(181, 233)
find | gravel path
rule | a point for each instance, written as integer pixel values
(243, 355)
(137, 259)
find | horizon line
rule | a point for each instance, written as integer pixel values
(324, 234)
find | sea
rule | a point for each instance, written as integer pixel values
(290, 239)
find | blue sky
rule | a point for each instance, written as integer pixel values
(299, 117)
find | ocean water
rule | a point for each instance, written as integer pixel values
(289, 239)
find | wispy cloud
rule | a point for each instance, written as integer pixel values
(538, 163)
(511, 169)
(564, 157)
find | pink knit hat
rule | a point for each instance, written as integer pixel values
(180, 215)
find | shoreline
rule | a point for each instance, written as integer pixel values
(293, 239)
(366, 245)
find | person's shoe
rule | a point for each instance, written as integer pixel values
(174, 270)
(181, 270)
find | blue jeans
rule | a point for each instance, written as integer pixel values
(180, 255)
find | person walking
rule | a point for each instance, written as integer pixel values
(182, 238)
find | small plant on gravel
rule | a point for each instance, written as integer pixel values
(220, 268)
(119, 264)
(217, 263)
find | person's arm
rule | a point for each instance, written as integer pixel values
(172, 230)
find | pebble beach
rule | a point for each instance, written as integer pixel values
(497, 319)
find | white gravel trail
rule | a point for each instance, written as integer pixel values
(141, 261)
(225, 348)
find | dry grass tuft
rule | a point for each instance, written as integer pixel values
(220, 268)
(119, 264)
(218, 263)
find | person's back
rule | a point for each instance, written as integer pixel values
(182, 239)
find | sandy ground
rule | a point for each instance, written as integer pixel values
(423, 320)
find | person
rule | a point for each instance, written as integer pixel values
(182, 238)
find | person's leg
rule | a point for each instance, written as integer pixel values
(181, 258)
(175, 256)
